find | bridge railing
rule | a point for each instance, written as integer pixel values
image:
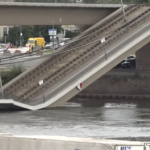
(81, 1)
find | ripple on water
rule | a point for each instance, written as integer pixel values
(113, 121)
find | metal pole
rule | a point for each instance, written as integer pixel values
(20, 36)
(43, 95)
(123, 10)
(1, 85)
(53, 37)
(5, 39)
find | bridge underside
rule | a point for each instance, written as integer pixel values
(49, 14)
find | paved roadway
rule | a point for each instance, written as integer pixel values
(26, 64)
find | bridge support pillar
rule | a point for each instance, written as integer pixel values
(143, 58)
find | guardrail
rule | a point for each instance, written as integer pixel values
(79, 1)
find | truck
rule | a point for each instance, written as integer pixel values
(37, 41)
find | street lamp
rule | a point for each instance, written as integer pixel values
(20, 36)
(41, 84)
(53, 37)
(123, 11)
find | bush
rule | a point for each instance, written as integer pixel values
(14, 71)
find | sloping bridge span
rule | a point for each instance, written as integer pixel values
(82, 65)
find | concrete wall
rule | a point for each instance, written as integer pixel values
(121, 82)
(143, 58)
(8, 142)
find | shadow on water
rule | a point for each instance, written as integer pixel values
(101, 102)
(93, 103)
(143, 103)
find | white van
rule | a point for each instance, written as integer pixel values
(57, 44)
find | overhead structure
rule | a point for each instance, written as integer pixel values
(28, 13)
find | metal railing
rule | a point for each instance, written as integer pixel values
(81, 1)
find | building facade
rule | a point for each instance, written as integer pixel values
(2, 28)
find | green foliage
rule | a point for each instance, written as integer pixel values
(14, 71)
(90, 1)
(29, 31)
(70, 34)
(14, 34)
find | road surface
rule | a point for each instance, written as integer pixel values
(26, 64)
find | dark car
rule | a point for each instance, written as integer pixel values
(129, 63)
(120, 64)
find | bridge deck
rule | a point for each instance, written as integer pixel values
(74, 5)
(58, 14)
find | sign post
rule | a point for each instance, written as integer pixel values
(121, 1)
(103, 41)
(131, 147)
(52, 33)
(40, 84)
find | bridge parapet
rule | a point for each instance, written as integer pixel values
(77, 1)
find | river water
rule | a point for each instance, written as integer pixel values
(124, 121)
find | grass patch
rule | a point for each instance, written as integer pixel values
(48, 52)
(13, 72)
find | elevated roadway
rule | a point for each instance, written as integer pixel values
(87, 60)
(20, 13)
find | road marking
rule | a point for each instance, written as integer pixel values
(31, 56)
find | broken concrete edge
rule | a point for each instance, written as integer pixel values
(70, 139)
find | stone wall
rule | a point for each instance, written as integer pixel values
(125, 82)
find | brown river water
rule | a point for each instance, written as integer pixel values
(124, 121)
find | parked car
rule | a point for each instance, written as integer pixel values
(131, 56)
(57, 43)
(50, 45)
(10, 45)
(129, 63)
(120, 64)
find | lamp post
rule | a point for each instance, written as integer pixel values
(123, 11)
(20, 28)
(20, 36)
(41, 84)
(53, 37)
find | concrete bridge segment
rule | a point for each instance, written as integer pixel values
(48, 13)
